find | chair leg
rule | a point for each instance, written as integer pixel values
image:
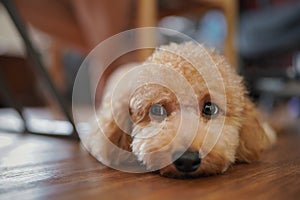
(37, 63)
(10, 101)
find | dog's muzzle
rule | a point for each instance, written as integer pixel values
(189, 161)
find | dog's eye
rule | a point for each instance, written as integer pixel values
(210, 109)
(157, 112)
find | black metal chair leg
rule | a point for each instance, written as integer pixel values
(37, 63)
(9, 100)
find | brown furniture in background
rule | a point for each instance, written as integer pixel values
(20, 81)
(82, 24)
(149, 14)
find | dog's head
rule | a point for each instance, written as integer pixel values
(190, 115)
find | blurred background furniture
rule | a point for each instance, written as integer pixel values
(41, 72)
(65, 31)
(269, 51)
(151, 12)
(69, 29)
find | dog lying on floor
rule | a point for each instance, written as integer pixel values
(184, 112)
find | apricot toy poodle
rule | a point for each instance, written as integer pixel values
(184, 112)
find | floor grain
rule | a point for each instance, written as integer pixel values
(40, 167)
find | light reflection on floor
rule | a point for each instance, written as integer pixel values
(38, 120)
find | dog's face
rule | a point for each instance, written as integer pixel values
(157, 115)
(188, 116)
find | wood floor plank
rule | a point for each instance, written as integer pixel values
(40, 167)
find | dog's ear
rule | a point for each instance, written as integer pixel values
(116, 126)
(106, 137)
(118, 137)
(114, 119)
(110, 131)
(255, 135)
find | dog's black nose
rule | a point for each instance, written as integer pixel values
(189, 161)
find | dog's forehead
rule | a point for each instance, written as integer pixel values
(192, 73)
(199, 72)
(162, 86)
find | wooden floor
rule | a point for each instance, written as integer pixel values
(40, 167)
